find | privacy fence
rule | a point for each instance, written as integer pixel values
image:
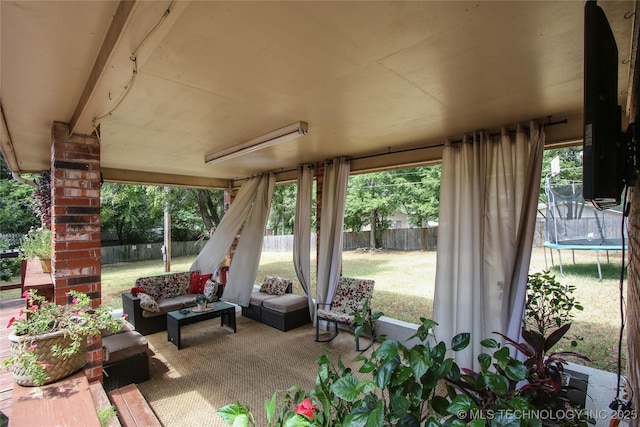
(403, 239)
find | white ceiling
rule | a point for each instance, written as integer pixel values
(368, 77)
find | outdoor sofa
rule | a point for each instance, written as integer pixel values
(149, 301)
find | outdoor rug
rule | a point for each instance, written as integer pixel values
(216, 367)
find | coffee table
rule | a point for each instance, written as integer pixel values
(178, 318)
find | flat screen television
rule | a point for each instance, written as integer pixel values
(603, 160)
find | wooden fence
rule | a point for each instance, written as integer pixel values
(146, 251)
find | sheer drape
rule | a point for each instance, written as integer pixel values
(302, 233)
(487, 191)
(214, 251)
(246, 259)
(334, 193)
(250, 205)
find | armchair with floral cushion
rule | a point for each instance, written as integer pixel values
(351, 298)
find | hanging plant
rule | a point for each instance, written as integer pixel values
(42, 199)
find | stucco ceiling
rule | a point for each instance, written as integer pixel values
(368, 77)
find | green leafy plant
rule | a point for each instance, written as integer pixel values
(201, 299)
(106, 414)
(77, 319)
(397, 385)
(549, 304)
(36, 243)
(401, 386)
(9, 267)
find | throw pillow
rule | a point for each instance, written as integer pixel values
(280, 286)
(148, 303)
(268, 284)
(197, 282)
(137, 290)
(194, 286)
(211, 291)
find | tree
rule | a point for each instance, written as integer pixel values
(16, 214)
(371, 198)
(419, 190)
(193, 211)
(283, 209)
(127, 209)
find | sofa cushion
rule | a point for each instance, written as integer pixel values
(257, 298)
(170, 304)
(148, 304)
(152, 286)
(176, 284)
(187, 300)
(122, 346)
(286, 303)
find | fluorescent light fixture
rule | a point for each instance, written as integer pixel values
(267, 140)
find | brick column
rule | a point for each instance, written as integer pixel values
(75, 223)
(229, 197)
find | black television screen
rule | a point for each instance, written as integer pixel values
(602, 159)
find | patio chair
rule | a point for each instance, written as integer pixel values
(349, 299)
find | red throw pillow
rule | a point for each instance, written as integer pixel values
(197, 282)
(137, 290)
(203, 281)
(194, 286)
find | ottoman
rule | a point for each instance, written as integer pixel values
(286, 312)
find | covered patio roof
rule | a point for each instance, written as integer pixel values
(372, 79)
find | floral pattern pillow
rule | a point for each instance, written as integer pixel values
(211, 291)
(274, 285)
(148, 303)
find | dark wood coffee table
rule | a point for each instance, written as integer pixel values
(176, 319)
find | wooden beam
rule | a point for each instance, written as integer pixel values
(80, 121)
(155, 178)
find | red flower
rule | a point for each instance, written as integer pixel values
(13, 319)
(306, 408)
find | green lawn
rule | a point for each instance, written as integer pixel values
(405, 287)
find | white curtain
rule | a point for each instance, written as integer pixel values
(246, 259)
(248, 208)
(488, 189)
(214, 251)
(302, 232)
(334, 194)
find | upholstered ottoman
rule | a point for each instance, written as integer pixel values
(254, 311)
(124, 358)
(286, 312)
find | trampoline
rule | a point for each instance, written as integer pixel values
(573, 224)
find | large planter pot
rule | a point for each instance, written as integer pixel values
(60, 368)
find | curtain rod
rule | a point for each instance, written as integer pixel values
(407, 150)
(526, 128)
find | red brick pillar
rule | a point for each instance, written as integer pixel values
(75, 223)
(229, 197)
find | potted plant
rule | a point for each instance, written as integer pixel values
(49, 341)
(36, 244)
(201, 301)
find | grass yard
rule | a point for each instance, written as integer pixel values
(405, 287)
